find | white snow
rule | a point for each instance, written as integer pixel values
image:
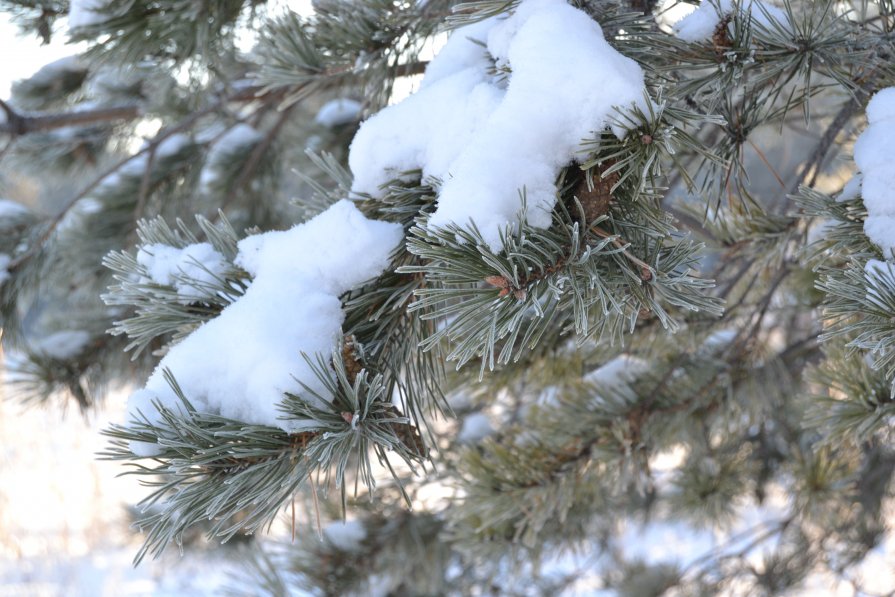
(489, 136)
(873, 151)
(110, 79)
(168, 147)
(338, 112)
(241, 363)
(476, 427)
(669, 12)
(701, 24)
(52, 71)
(852, 189)
(238, 139)
(621, 369)
(190, 270)
(62, 345)
(136, 166)
(171, 145)
(83, 13)
(12, 209)
(859, 11)
(4, 264)
(881, 107)
(719, 339)
(347, 535)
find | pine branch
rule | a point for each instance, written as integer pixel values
(17, 124)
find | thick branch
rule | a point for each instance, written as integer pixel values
(17, 124)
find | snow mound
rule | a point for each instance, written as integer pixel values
(670, 12)
(135, 167)
(852, 189)
(241, 363)
(501, 109)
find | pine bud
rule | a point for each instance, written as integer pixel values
(595, 201)
(720, 39)
(351, 357)
(498, 281)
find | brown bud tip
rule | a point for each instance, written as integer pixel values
(645, 274)
(646, 139)
(498, 281)
(503, 292)
(348, 417)
(520, 294)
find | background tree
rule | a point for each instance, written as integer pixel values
(631, 243)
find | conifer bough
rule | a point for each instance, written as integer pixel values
(586, 208)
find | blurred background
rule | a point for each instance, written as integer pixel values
(64, 516)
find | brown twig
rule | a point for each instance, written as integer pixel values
(17, 124)
(826, 142)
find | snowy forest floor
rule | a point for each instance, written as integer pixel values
(64, 522)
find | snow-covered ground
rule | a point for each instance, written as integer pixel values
(64, 526)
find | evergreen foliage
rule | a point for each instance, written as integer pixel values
(696, 339)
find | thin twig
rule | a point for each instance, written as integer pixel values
(825, 144)
(254, 158)
(144, 184)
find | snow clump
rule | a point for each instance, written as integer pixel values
(190, 270)
(346, 536)
(338, 112)
(701, 24)
(872, 156)
(501, 109)
(241, 363)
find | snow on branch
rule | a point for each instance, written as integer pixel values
(502, 108)
(708, 20)
(873, 151)
(241, 363)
